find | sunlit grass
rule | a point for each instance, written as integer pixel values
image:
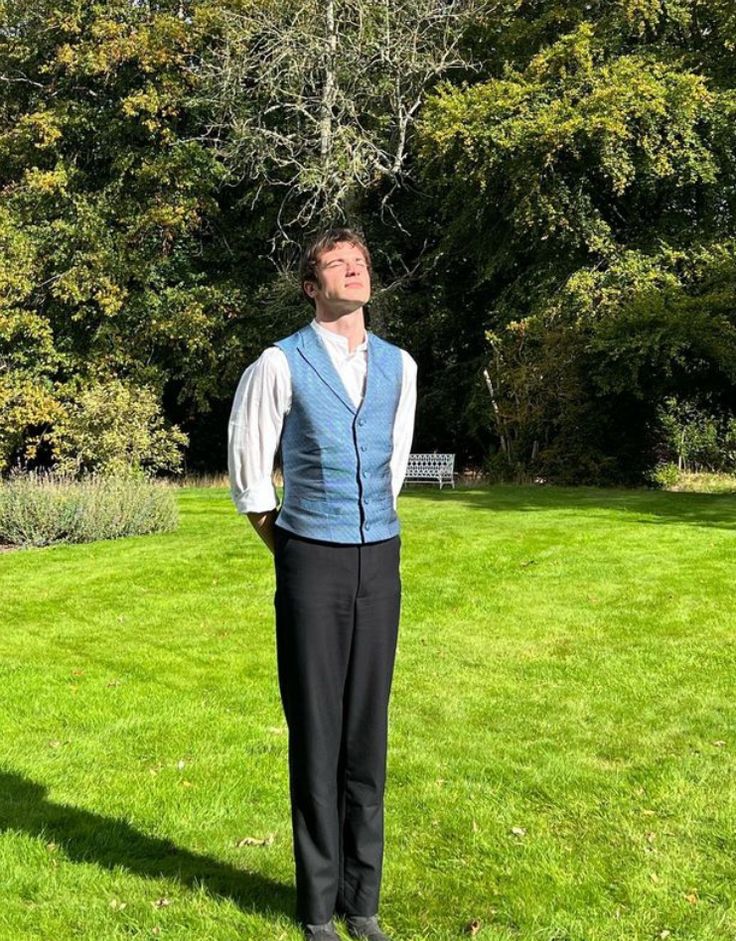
(561, 747)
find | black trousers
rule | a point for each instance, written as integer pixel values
(337, 618)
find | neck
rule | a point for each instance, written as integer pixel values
(351, 326)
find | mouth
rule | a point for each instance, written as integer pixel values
(353, 284)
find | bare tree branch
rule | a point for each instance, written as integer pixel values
(320, 97)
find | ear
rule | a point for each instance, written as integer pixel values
(310, 288)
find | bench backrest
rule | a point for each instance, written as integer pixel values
(431, 463)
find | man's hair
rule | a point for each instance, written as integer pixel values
(323, 242)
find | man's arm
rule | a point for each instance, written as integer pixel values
(263, 524)
(262, 400)
(404, 424)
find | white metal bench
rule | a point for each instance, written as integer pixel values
(439, 467)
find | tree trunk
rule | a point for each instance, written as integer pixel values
(505, 444)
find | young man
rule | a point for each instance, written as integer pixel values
(339, 401)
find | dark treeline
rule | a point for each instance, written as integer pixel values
(548, 190)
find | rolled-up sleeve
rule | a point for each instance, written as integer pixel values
(262, 400)
(404, 423)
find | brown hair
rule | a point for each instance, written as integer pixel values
(323, 242)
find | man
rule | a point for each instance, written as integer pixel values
(339, 402)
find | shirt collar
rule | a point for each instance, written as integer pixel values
(336, 339)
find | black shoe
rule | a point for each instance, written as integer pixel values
(366, 928)
(325, 932)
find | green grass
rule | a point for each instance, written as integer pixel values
(561, 760)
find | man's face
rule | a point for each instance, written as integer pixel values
(344, 279)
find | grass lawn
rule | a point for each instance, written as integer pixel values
(562, 740)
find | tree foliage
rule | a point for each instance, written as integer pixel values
(592, 186)
(549, 190)
(108, 214)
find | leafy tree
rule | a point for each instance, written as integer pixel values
(118, 259)
(599, 170)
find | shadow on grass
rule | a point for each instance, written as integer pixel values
(653, 506)
(87, 837)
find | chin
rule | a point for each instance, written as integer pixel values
(353, 303)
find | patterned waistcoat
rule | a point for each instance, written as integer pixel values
(336, 458)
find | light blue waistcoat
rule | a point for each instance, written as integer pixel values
(336, 458)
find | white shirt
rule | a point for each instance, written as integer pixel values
(263, 399)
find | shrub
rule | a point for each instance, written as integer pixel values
(114, 427)
(45, 508)
(499, 470)
(664, 475)
(696, 438)
(26, 401)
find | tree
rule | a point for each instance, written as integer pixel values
(599, 168)
(116, 258)
(317, 100)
